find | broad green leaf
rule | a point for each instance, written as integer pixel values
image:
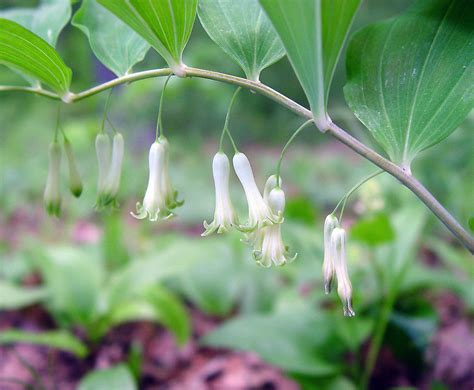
(113, 42)
(244, 32)
(47, 20)
(291, 341)
(59, 339)
(374, 230)
(24, 51)
(313, 33)
(410, 79)
(165, 24)
(16, 297)
(156, 304)
(74, 280)
(116, 378)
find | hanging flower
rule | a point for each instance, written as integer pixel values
(338, 254)
(102, 148)
(171, 196)
(154, 203)
(260, 214)
(273, 248)
(112, 182)
(255, 238)
(52, 195)
(224, 216)
(75, 183)
(330, 224)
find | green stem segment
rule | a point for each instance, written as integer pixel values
(159, 123)
(352, 190)
(225, 129)
(283, 151)
(406, 179)
(106, 108)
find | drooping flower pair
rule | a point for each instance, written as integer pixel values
(335, 263)
(262, 230)
(52, 192)
(160, 197)
(110, 168)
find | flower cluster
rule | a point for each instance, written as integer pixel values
(160, 197)
(262, 231)
(335, 263)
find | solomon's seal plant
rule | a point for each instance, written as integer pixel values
(409, 97)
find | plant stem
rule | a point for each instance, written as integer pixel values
(282, 154)
(106, 107)
(351, 191)
(225, 129)
(159, 127)
(405, 178)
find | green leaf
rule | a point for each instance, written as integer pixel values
(74, 280)
(313, 33)
(117, 378)
(155, 304)
(170, 312)
(244, 32)
(471, 224)
(47, 20)
(410, 78)
(22, 50)
(374, 230)
(165, 24)
(15, 297)
(291, 341)
(59, 339)
(113, 42)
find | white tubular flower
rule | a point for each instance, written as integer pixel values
(344, 286)
(154, 204)
(75, 182)
(273, 249)
(224, 216)
(260, 214)
(52, 195)
(171, 196)
(330, 224)
(103, 149)
(112, 182)
(255, 239)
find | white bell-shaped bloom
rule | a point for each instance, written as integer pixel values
(171, 196)
(273, 250)
(344, 286)
(255, 239)
(154, 204)
(75, 182)
(52, 195)
(260, 214)
(224, 215)
(112, 182)
(330, 224)
(103, 150)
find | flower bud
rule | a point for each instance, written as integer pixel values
(112, 182)
(270, 185)
(52, 195)
(344, 286)
(75, 182)
(330, 223)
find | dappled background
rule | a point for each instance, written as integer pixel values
(155, 302)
